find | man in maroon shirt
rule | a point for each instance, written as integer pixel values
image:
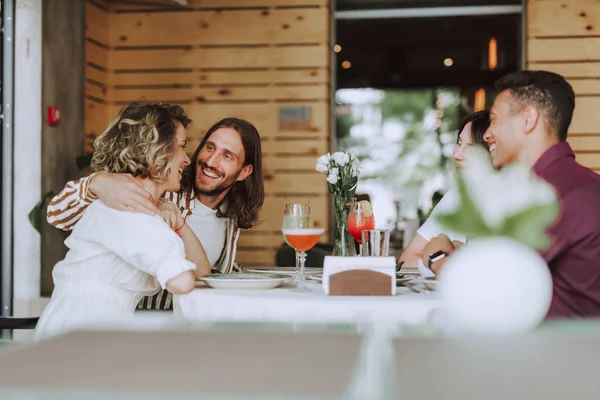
(529, 123)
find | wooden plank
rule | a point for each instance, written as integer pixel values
(96, 117)
(260, 239)
(116, 5)
(313, 75)
(96, 75)
(95, 91)
(96, 55)
(312, 92)
(590, 160)
(264, 117)
(240, 57)
(313, 147)
(310, 183)
(168, 95)
(96, 23)
(586, 118)
(585, 143)
(304, 25)
(585, 86)
(564, 49)
(262, 257)
(563, 18)
(153, 78)
(296, 163)
(309, 146)
(570, 69)
(202, 94)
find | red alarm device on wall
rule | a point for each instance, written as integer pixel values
(53, 116)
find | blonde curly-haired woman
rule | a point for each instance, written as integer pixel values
(117, 257)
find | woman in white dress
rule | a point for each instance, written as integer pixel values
(470, 133)
(116, 257)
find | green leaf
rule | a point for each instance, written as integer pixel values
(529, 226)
(467, 218)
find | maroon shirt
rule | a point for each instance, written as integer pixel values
(574, 258)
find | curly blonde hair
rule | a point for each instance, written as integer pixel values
(140, 141)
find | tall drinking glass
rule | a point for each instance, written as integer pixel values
(360, 218)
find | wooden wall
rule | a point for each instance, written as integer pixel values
(62, 86)
(251, 59)
(563, 36)
(96, 69)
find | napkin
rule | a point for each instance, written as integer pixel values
(424, 271)
(384, 265)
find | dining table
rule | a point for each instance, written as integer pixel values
(285, 304)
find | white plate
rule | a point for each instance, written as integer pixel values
(285, 270)
(316, 277)
(244, 281)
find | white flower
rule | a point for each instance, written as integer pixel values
(341, 158)
(322, 164)
(333, 176)
(356, 170)
(502, 194)
(322, 168)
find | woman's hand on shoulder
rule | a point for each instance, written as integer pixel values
(170, 213)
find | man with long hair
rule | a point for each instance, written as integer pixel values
(221, 192)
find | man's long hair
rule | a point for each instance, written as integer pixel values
(245, 198)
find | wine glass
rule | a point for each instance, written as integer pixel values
(295, 215)
(360, 218)
(298, 233)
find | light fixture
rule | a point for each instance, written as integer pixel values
(346, 64)
(479, 101)
(448, 62)
(337, 48)
(492, 54)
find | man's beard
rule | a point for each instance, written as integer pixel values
(217, 190)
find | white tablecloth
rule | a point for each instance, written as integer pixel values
(283, 305)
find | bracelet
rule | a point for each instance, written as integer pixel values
(178, 229)
(437, 256)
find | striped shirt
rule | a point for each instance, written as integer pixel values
(67, 207)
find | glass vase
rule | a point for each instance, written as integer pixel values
(344, 244)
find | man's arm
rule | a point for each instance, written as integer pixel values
(117, 191)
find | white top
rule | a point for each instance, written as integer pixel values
(431, 228)
(210, 230)
(115, 258)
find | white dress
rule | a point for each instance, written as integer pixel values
(115, 258)
(431, 228)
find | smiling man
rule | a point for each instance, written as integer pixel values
(221, 191)
(529, 123)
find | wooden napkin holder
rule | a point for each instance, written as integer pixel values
(359, 276)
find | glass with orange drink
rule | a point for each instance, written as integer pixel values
(299, 233)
